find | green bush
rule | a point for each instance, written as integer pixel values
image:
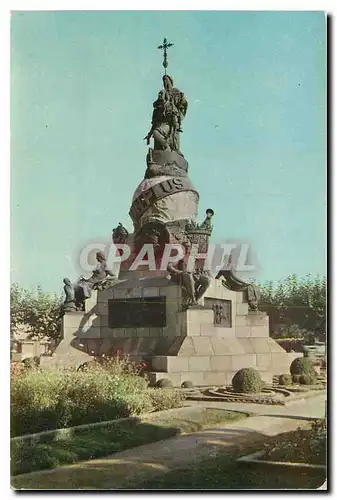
(43, 401)
(164, 383)
(187, 384)
(285, 379)
(165, 400)
(247, 380)
(296, 378)
(302, 366)
(118, 364)
(323, 363)
(308, 379)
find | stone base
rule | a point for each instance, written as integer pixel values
(68, 353)
(189, 345)
(217, 369)
(202, 378)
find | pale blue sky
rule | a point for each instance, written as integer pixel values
(82, 89)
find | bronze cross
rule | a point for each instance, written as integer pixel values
(164, 47)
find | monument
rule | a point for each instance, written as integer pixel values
(185, 323)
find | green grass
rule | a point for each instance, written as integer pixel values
(82, 444)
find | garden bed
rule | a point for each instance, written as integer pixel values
(273, 395)
(300, 449)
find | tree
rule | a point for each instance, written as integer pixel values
(34, 314)
(299, 302)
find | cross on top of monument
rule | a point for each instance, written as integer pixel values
(165, 45)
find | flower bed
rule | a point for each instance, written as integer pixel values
(303, 448)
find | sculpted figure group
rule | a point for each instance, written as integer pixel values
(77, 293)
(233, 282)
(194, 283)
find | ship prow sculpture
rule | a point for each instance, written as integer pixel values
(185, 323)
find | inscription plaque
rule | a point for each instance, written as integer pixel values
(222, 311)
(137, 312)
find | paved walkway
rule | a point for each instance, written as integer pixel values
(123, 469)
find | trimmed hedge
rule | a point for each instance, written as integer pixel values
(308, 379)
(296, 378)
(164, 383)
(302, 366)
(247, 380)
(187, 384)
(285, 379)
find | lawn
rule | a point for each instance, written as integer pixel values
(72, 446)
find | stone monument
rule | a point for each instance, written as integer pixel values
(187, 324)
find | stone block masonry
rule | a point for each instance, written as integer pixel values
(188, 344)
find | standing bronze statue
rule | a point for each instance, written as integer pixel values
(169, 111)
(69, 302)
(120, 234)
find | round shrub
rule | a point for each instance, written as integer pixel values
(164, 383)
(285, 379)
(247, 380)
(187, 384)
(308, 379)
(302, 366)
(30, 363)
(296, 379)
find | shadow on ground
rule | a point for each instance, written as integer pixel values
(130, 468)
(205, 459)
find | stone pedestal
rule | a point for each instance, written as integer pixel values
(144, 318)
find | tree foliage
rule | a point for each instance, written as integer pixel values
(295, 305)
(35, 314)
